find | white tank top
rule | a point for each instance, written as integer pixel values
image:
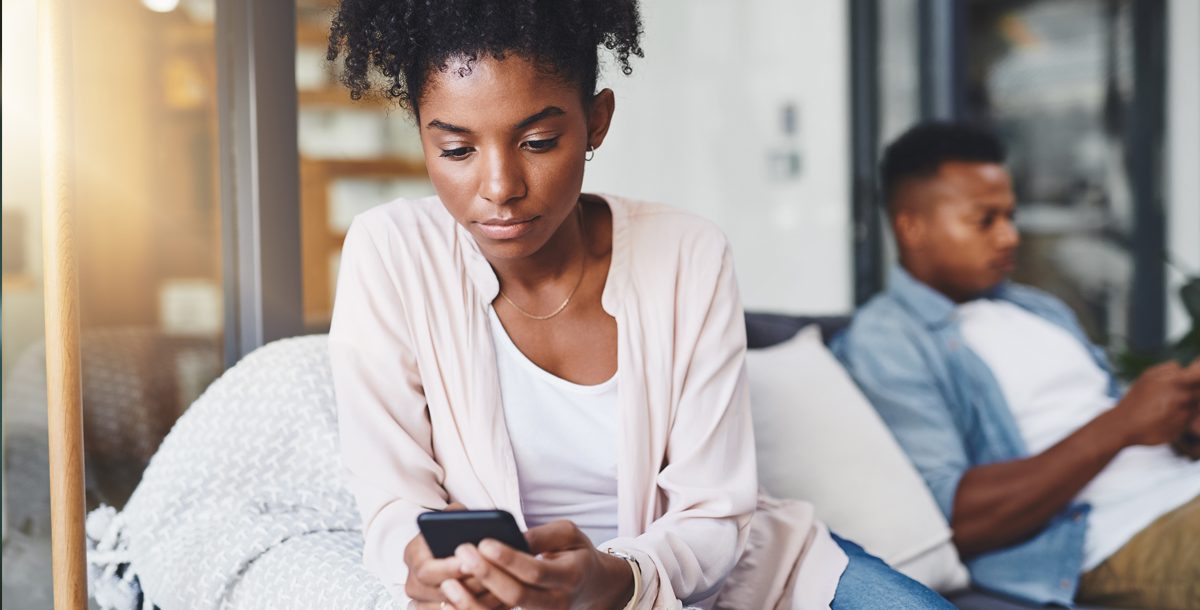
(564, 439)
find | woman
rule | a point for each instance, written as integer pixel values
(574, 359)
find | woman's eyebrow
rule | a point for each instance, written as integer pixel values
(439, 124)
(545, 113)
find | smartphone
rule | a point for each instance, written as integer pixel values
(444, 531)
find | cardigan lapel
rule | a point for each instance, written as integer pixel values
(488, 445)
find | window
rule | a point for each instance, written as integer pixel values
(143, 120)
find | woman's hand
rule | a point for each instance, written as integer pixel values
(426, 575)
(567, 573)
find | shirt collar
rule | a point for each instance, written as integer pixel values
(933, 308)
(478, 268)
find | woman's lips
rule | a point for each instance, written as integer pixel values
(505, 229)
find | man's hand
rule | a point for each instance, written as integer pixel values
(426, 575)
(566, 573)
(1188, 444)
(1158, 407)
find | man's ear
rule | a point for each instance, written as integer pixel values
(909, 227)
(600, 117)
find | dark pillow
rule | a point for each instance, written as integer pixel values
(767, 329)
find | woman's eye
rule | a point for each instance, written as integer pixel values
(456, 153)
(540, 145)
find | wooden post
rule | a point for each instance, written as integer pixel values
(63, 381)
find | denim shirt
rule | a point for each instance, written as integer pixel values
(906, 350)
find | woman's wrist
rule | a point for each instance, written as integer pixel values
(618, 581)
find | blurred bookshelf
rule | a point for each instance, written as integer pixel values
(354, 155)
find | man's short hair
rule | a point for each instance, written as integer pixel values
(922, 150)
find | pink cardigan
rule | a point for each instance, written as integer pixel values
(421, 419)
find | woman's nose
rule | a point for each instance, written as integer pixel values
(502, 180)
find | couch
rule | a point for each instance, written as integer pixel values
(242, 506)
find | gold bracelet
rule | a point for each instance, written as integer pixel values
(637, 577)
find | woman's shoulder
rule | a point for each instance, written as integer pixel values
(410, 238)
(659, 226)
(405, 216)
(403, 224)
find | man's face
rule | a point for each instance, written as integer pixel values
(955, 229)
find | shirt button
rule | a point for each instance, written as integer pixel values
(1064, 583)
(1078, 517)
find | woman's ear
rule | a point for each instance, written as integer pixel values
(599, 117)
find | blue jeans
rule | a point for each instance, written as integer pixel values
(868, 583)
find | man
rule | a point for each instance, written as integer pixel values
(1058, 487)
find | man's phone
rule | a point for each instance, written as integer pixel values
(444, 531)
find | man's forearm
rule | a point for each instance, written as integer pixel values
(1000, 504)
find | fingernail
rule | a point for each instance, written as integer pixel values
(468, 561)
(452, 590)
(469, 565)
(489, 550)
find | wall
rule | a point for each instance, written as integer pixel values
(700, 125)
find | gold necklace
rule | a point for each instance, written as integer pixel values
(582, 268)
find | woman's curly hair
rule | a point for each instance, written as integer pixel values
(404, 40)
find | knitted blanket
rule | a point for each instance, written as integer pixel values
(243, 505)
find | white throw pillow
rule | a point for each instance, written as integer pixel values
(819, 440)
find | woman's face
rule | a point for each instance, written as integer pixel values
(504, 146)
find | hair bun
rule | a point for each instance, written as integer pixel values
(390, 46)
